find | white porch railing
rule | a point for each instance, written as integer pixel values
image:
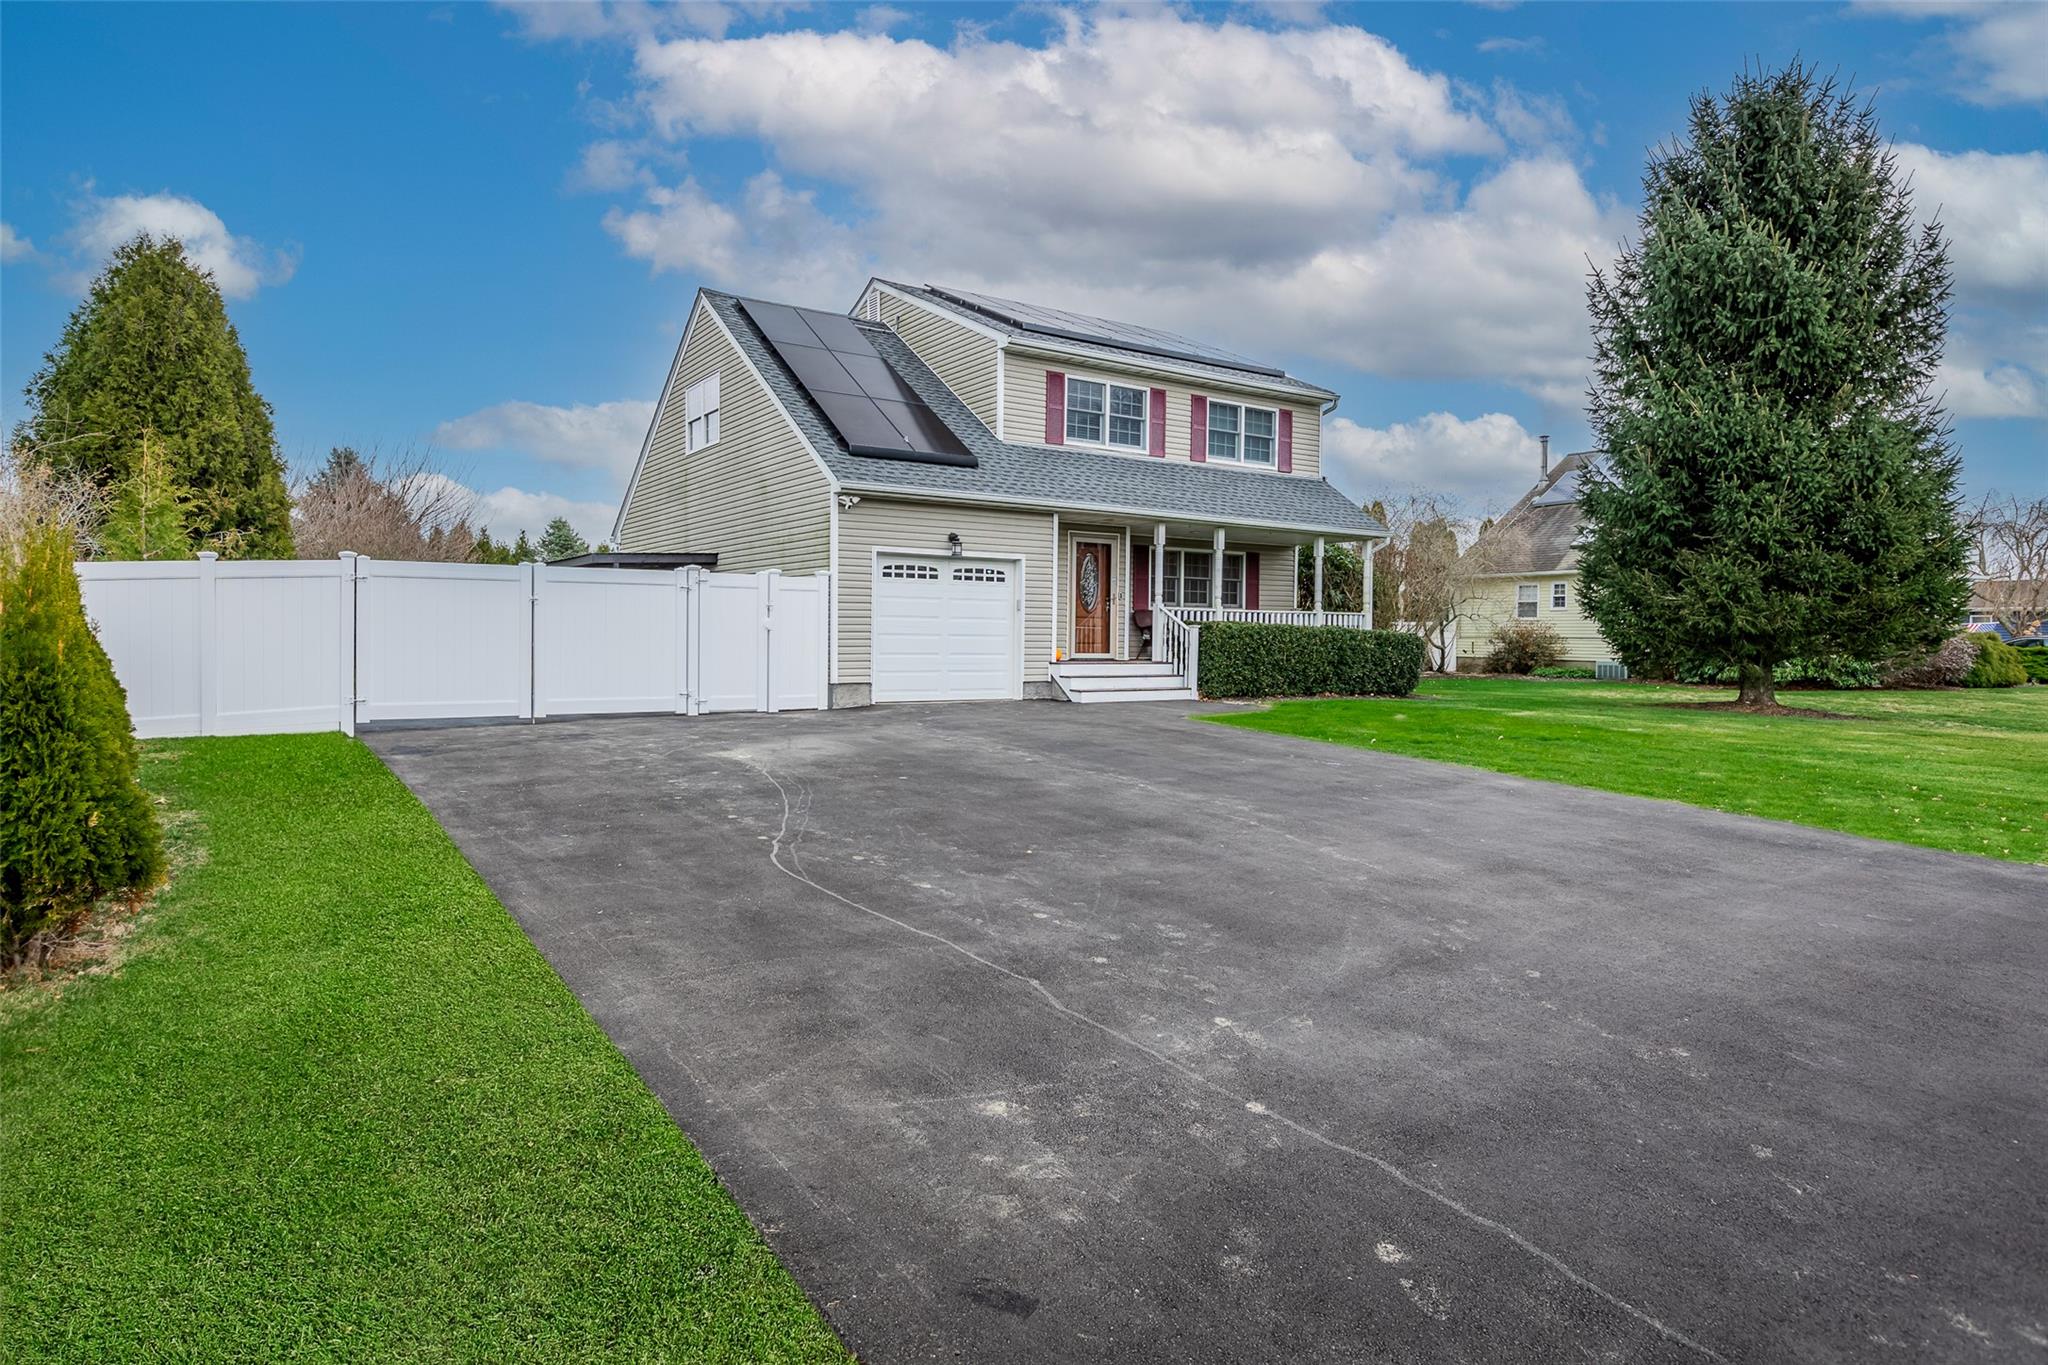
(1355, 620)
(1176, 642)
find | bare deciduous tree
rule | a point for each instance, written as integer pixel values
(2010, 559)
(389, 508)
(1425, 572)
(34, 495)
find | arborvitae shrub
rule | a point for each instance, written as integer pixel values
(1998, 665)
(75, 824)
(1253, 659)
(2035, 661)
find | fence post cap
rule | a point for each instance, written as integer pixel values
(209, 555)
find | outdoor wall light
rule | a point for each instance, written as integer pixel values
(953, 545)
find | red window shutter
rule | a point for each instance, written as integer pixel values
(1198, 428)
(1141, 575)
(1286, 441)
(1055, 408)
(1158, 440)
(1251, 569)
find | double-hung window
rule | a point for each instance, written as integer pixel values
(1557, 596)
(1106, 414)
(1525, 600)
(1243, 435)
(1185, 582)
(700, 410)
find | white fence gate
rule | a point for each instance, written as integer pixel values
(276, 646)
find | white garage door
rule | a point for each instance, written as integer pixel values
(945, 629)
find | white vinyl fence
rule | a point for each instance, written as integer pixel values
(210, 647)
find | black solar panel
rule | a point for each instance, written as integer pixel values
(866, 402)
(1058, 322)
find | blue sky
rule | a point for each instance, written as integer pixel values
(478, 228)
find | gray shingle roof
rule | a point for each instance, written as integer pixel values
(1534, 539)
(1222, 374)
(1044, 476)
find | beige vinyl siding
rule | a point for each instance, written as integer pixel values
(1276, 577)
(877, 523)
(756, 497)
(1493, 605)
(962, 358)
(1024, 403)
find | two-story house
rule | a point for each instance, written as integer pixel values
(1527, 570)
(1014, 501)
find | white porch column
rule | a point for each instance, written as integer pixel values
(1369, 547)
(1216, 573)
(1158, 580)
(1319, 580)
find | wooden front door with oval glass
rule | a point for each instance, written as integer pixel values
(1092, 598)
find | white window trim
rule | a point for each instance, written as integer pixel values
(1558, 598)
(1531, 589)
(1176, 556)
(1208, 452)
(1144, 446)
(700, 403)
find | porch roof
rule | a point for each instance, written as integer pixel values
(1060, 478)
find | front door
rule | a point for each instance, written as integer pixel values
(1091, 598)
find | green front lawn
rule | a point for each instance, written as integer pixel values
(1951, 770)
(335, 1104)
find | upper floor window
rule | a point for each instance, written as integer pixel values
(1557, 596)
(1525, 600)
(1105, 414)
(1241, 434)
(700, 410)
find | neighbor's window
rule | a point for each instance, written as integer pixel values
(1242, 435)
(700, 410)
(1557, 596)
(1105, 414)
(1525, 599)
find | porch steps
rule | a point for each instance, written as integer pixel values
(1102, 680)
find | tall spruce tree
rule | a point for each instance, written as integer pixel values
(1778, 481)
(560, 541)
(150, 353)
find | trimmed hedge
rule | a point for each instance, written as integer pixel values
(1998, 665)
(1247, 659)
(75, 824)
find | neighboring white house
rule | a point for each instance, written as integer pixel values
(1532, 574)
(1014, 501)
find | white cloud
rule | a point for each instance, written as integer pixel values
(14, 247)
(607, 165)
(240, 265)
(1489, 460)
(882, 18)
(508, 511)
(1296, 207)
(1994, 209)
(636, 20)
(774, 241)
(603, 436)
(1996, 46)
(1532, 44)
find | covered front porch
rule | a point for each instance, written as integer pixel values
(1128, 596)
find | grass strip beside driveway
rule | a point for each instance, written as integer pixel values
(337, 1105)
(1951, 770)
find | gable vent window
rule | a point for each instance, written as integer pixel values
(910, 571)
(1105, 414)
(1525, 600)
(700, 410)
(1242, 435)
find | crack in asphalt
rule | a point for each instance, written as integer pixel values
(794, 869)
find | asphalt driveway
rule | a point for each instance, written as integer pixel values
(1035, 1032)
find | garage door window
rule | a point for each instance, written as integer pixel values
(910, 570)
(971, 574)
